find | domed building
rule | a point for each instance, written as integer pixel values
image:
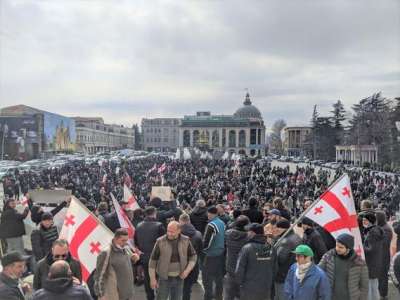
(240, 133)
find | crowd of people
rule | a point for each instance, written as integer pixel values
(229, 223)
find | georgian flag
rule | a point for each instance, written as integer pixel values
(124, 221)
(130, 199)
(87, 236)
(335, 211)
(162, 168)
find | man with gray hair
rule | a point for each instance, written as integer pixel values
(199, 217)
(60, 285)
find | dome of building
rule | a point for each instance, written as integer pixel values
(248, 111)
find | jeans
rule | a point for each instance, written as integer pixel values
(15, 244)
(279, 291)
(213, 272)
(231, 287)
(172, 288)
(147, 287)
(373, 291)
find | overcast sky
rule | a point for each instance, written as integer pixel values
(124, 60)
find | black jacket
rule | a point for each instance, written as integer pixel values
(9, 288)
(284, 256)
(147, 232)
(255, 269)
(234, 241)
(111, 221)
(43, 266)
(199, 218)
(12, 223)
(197, 241)
(61, 289)
(373, 247)
(42, 239)
(388, 235)
(255, 215)
(313, 239)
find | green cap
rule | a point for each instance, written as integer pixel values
(304, 250)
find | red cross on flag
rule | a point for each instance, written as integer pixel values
(86, 236)
(130, 200)
(336, 213)
(124, 221)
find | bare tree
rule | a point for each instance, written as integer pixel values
(276, 145)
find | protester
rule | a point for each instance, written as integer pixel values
(373, 241)
(146, 235)
(12, 226)
(396, 269)
(213, 268)
(59, 251)
(346, 271)
(235, 238)
(387, 240)
(13, 268)
(253, 213)
(284, 247)
(255, 266)
(42, 239)
(114, 275)
(172, 260)
(198, 217)
(60, 285)
(306, 280)
(313, 239)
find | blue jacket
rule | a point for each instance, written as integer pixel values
(315, 285)
(214, 238)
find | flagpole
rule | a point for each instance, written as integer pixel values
(306, 211)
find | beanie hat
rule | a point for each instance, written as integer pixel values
(307, 221)
(241, 222)
(46, 216)
(156, 202)
(346, 240)
(256, 228)
(283, 224)
(212, 210)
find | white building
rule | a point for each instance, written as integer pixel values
(357, 154)
(295, 139)
(93, 136)
(161, 134)
(241, 133)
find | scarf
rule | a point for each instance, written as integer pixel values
(302, 270)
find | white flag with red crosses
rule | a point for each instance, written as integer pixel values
(335, 211)
(123, 219)
(130, 199)
(87, 236)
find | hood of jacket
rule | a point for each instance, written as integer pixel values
(188, 230)
(57, 285)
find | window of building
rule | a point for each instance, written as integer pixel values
(242, 138)
(232, 138)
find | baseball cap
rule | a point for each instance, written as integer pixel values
(12, 257)
(275, 212)
(303, 250)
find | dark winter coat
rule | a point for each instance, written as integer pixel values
(284, 256)
(373, 247)
(255, 269)
(147, 232)
(357, 276)
(43, 267)
(255, 215)
(235, 239)
(9, 288)
(42, 239)
(199, 218)
(61, 289)
(12, 223)
(111, 221)
(197, 241)
(313, 239)
(388, 235)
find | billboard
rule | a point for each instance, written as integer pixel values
(59, 132)
(21, 137)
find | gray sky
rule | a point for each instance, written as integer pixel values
(124, 60)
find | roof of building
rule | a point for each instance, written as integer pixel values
(248, 110)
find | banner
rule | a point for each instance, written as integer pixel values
(87, 236)
(335, 211)
(162, 192)
(49, 197)
(124, 221)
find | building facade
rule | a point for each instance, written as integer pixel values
(28, 133)
(93, 136)
(295, 139)
(161, 134)
(357, 154)
(240, 133)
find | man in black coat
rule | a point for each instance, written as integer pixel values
(197, 241)
(42, 239)
(147, 232)
(253, 213)
(13, 268)
(313, 239)
(235, 238)
(284, 255)
(59, 251)
(198, 217)
(255, 267)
